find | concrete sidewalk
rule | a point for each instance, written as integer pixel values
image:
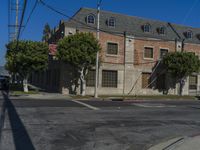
(182, 143)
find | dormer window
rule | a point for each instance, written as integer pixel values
(189, 34)
(162, 30)
(111, 22)
(90, 19)
(147, 28)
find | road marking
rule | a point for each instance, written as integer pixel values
(153, 105)
(86, 105)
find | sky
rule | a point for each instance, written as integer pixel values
(186, 12)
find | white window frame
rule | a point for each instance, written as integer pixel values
(114, 21)
(107, 48)
(88, 19)
(160, 51)
(145, 58)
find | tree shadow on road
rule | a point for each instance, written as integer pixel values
(21, 138)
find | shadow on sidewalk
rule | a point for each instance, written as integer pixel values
(21, 138)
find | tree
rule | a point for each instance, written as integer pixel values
(79, 51)
(46, 33)
(181, 65)
(28, 57)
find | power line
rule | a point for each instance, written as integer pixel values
(30, 15)
(121, 34)
(190, 11)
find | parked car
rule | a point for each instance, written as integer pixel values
(4, 83)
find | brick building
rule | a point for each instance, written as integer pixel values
(132, 48)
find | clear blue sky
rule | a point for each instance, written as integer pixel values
(185, 12)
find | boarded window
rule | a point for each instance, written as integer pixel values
(148, 52)
(163, 52)
(109, 78)
(193, 82)
(112, 48)
(90, 79)
(146, 80)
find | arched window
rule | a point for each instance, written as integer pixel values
(147, 28)
(90, 19)
(162, 30)
(111, 22)
(189, 34)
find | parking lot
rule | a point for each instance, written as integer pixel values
(28, 124)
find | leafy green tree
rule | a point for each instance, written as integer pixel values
(46, 33)
(181, 65)
(79, 51)
(27, 58)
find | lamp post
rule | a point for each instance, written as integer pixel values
(97, 55)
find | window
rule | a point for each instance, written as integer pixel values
(111, 22)
(146, 80)
(148, 52)
(109, 78)
(112, 48)
(193, 82)
(90, 19)
(189, 34)
(90, 79)
(163, 52)
(147, 28)
(162, 31)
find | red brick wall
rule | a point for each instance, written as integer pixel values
(106, 37)
(188, 47)
(157, 45)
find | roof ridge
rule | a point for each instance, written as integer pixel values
(138, 17)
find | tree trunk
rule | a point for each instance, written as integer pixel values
(83, 82)
(25, 84)
(181, 84)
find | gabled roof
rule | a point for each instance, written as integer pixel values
(132, 25)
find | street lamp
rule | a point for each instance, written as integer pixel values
(97, 55)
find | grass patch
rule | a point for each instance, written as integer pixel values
(24, 93)
(17, 89)
(81, 97)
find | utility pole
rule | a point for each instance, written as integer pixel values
(16, 19)
(97, 55)
(14, 7)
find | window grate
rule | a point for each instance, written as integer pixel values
(90, 79)
(112, 48)
(109, 78)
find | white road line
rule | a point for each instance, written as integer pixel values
(86, 105)
(154, 105)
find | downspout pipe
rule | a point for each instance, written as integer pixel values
(124, 64)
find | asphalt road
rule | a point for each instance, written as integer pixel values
(93, 125)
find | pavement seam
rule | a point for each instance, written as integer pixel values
(177, 142)
(86, 105)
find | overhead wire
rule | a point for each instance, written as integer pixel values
(116, 33)
(190, 11)
(121, 34)
(30, 15)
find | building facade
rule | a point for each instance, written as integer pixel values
(132, 49)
